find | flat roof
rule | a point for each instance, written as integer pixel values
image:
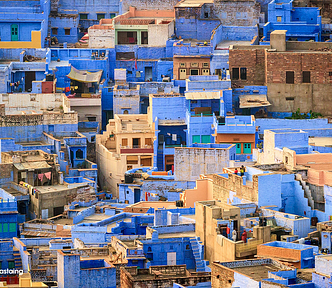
(257, 272)
(203, 95)
(32, 165)
(192, 3)
(320, 141)
(177, 235)
(53, 188)
(226, 43)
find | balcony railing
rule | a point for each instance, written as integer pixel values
(136, 149)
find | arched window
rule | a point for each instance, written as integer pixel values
(79, 154)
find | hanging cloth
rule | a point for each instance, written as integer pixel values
(41, 176)
(48, 175)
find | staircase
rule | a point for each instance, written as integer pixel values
(17, 260)
(66, 155)
(307, 191)
(196, 248)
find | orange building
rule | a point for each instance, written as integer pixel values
(239, 130)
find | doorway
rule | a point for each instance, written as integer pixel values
(171, 258)
(183, 74)
(29, 77)
(148, 74)
(14, 32)
(137, 195)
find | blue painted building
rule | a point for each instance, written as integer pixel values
(8, 217)
(29, 27)
(301, 23)
(88, 13)
(72, 272)
(10, 259)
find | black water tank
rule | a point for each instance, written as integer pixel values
(49, 77)
(129, 178)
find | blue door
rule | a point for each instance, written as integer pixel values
(137, 195)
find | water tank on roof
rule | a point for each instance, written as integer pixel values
(129, 178)
(49, 77)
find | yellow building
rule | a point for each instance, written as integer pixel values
(126, 144)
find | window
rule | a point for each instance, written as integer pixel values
(279, 19)
(144, 37)
(148, 141)
(129, 167)
(11, 264)
(289, 98)
(127, 37)
(290, 77)
(243, 73)
(330, 74)
(182, 64)
(79, 154)
(136, 142)
(194, 64)
(132, 159)
(206, 139)
(306, 77)
(187, 247)
(83, 16)
(100, 16)
(235, 74)
(205, 65)
(5, 227)
(67, 31)
(286, 159)
(124, 142)
(54, 31)
(149, 249)
(112, 15)
(146, 160)
(12, 227)
(194, 72)
(206, 15)
(196, 139)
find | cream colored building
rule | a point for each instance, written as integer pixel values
(126, 144)
(212, 219)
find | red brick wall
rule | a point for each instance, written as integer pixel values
(253, 60)
(319, 64)
(221, 277)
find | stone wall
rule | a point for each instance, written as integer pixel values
(222, 186)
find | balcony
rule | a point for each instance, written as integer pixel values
(136, 149)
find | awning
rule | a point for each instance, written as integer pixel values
(84, 75)
(251, 101)
(146, 157)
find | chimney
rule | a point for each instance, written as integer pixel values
(278, 40)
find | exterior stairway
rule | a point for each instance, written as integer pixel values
(17, 260)
(307, 191)
(197, 251)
